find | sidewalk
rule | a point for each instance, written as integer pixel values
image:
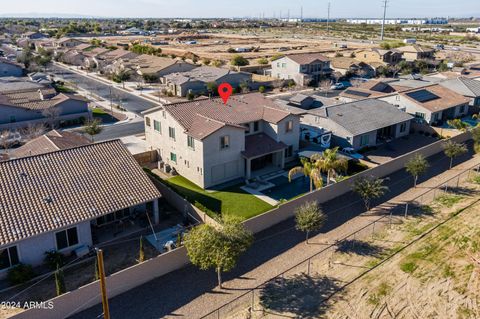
(191, 293)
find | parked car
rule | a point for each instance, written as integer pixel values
(439, 47)
(352, 153)
(456, 49)
(10, 138)
(341, 85)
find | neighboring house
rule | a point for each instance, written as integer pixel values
(367, 90)
(34, 35)
(59, 200)
(302, 68)
(211, 143)
(21, 108)
(39, 77)
(467, 87)
(102, 60)
(385, 57)
(350, 66)
(434, 104)
(68, 42)
(300, 102)
(49, 142)
(360, 124)
(73, 57)
(416, 52)
(159, 66)
(10, 68)
(196, 80)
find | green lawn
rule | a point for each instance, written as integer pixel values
(232, 200)
(98, 111)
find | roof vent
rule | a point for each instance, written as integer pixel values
(48, 199)
(23, 174)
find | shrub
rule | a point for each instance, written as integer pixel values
(54, 259)
(261, 89)
(20, 274)
(190, 96)
(262, 61)
(408, 267)
(239, 60)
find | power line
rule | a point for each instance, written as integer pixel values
(385, 2)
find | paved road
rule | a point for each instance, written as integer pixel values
(189, 292)
(120, 130)
(129, 101)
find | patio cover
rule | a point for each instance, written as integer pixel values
(261, 144)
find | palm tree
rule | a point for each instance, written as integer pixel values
(329, 163)
(309, 168)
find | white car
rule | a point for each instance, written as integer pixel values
(337, 86)
(352, 153)
(455, 49)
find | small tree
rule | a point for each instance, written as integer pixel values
(60, 282)
(309, 218)
(212, 88)
(458, 124)
(453, 149)
(209, 247)
(262, 61)
(369, 188)
(141, 253)
(330, 163)
(310, 170)
(416, 166)
(262, 89)
(92, 127)
(238, 60)
(52, 115)
(325, 85)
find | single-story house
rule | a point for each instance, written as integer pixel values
(434, 104)
(158, 66)
(416, 52)
(57, 201)
(34, 106)
(367, 90)
(360, 124)
(196, 80)
(351, 66)
(376, 55)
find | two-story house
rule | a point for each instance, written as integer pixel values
(304, 68)
(386, 57)
(210, 143)
(416, 52)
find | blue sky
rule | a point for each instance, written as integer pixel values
(244, 8)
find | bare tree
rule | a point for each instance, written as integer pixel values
(52, 115)
(5, 141)
(33, 131)
(325, 85)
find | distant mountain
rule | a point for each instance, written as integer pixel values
(47, 15)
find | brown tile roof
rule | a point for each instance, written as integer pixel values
(201, 118)
(46, 192)
(307, 58)
(36, 99)
(446, 98)
(261, 144)
(343, 62)
(414, 48)
(50, 142)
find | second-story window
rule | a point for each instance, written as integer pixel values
(191, 142)
(289, 126)
(224, 142)
(171, 133)
(157, 126)
(147, 121)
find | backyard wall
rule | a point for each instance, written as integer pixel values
(120, 282)
(285, 211)
(146, 157)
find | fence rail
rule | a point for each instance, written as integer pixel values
(250, 299)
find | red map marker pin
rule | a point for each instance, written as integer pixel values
(225, 90)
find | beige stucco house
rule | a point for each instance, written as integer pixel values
(211, 143)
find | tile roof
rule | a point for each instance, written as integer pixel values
(463, 86)
(369, 89)
(446, 98)
(201, 118)
(203, 74)
(307, 58)
(261, 144)
(46, 192)
(50, 142)
(363, 116)
(415, 49)
(36, 99)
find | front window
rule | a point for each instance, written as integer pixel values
(173, 157)
(224, 142)
(66, 238)
(157, 126)
(289, 126)
(8, 257)
(191, 142)
(289, 151)
(171, 132)
(147, 121)
(364, 140)
(403, 127)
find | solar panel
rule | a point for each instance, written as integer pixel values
(358, 93)
(423, 96)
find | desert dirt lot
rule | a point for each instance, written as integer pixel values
(214, 46)
(419, 267)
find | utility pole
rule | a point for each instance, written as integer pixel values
(301, 14)
(328, 19)
(103, 287)
(385, 2)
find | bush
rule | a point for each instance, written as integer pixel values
(54, 259)
(190, 96)
(20, 274)
(261, 89)
(239, 60)
(262, 61)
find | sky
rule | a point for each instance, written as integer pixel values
(243, 8)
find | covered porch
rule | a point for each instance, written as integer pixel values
(262, 155)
